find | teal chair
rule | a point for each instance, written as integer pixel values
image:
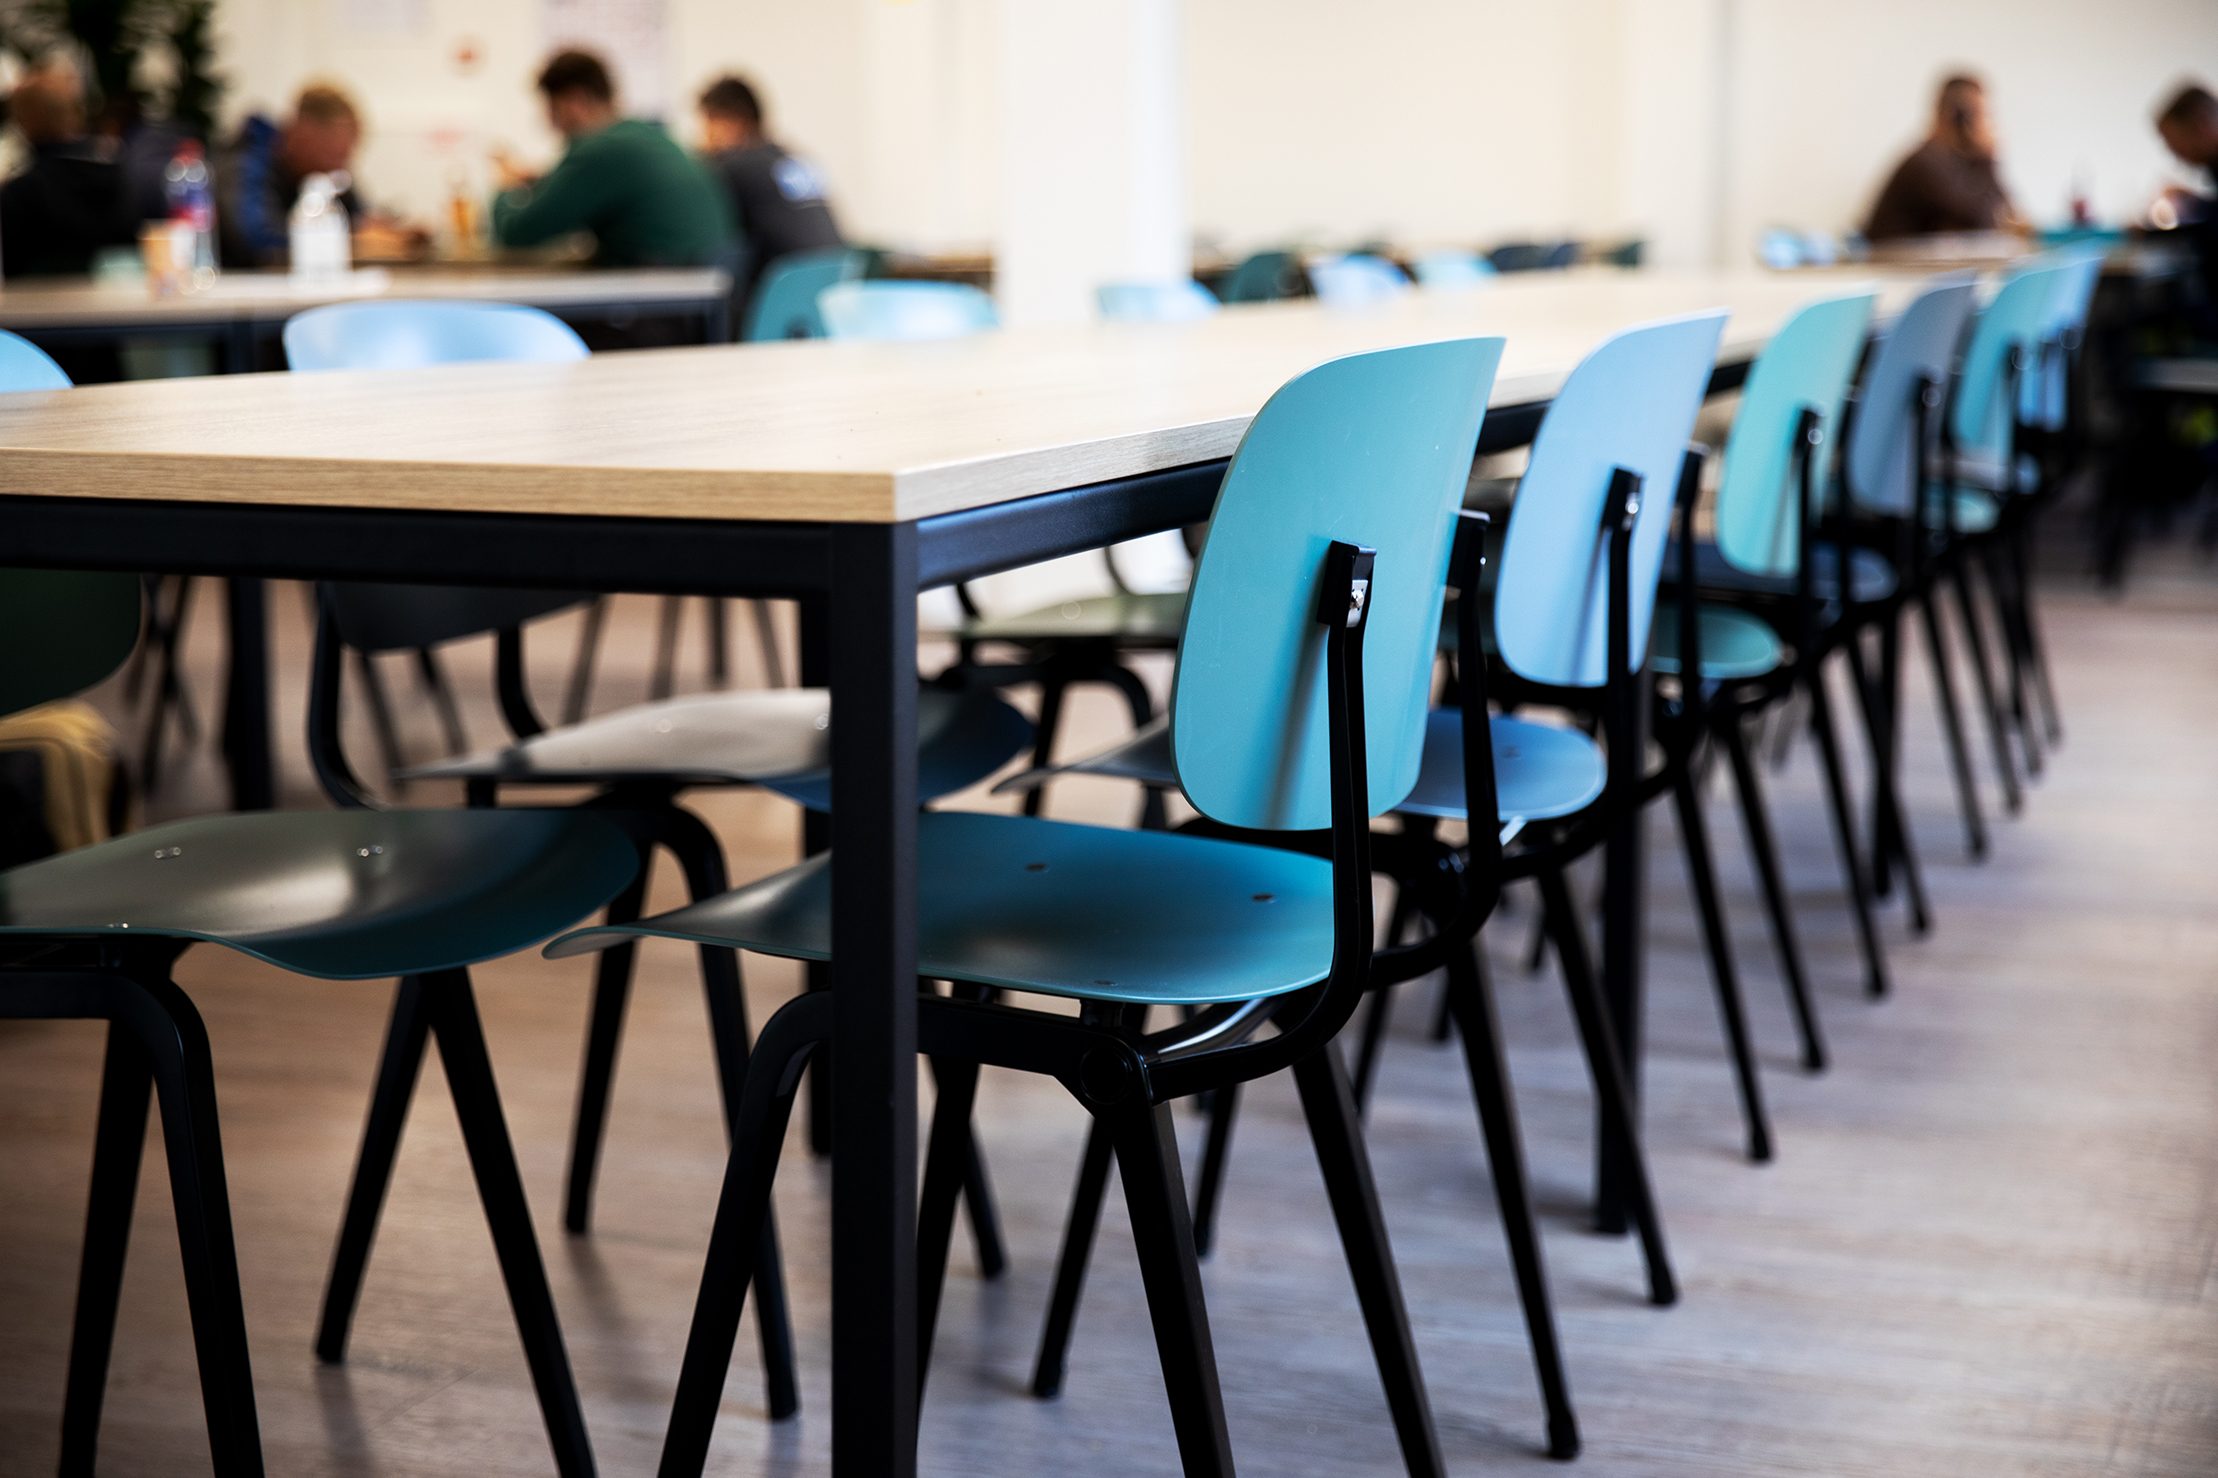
(784, 303)
(1768, 604)
(1358, 280)
(1265, 277)
(1181, 301)
(1453, 271)
(1298, 705)
(422, 895)
(25, 366)
(905, 310)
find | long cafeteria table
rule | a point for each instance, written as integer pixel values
(848, 476)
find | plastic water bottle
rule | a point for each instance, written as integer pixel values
(192, 203)
(322, 242)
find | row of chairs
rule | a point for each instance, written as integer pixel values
(1307, 715)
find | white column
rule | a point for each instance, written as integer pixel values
(1093, 149)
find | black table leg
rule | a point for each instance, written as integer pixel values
(1624, 877)
(246, 703)
(816, 835)
(874, 692)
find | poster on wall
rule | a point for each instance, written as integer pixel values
(629, 35)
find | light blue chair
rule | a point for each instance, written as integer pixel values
(1182, 301)
(905, 310)
(1453, 271)
(784, 302)
(400, 333)
(1767, 585)
(25, 366)
(1264, 277)
(1358, 280)
(2045, 399)
(1298, 705)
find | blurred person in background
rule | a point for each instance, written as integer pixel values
(260, 172)
(777, 200)
(647, 202)
(72, 199)
(1948, 183)
(2189, 126)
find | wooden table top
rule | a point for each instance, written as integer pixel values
(83, 303)
(816, 431)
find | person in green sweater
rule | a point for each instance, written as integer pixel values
(647, 202)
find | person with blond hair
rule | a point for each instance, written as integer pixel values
(1949, 182)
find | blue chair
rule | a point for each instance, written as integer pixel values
(1181, 301)
(1298, 705)
(639, 759)
(422, 895)
(1265, 277)
(905, 310)
(25, 366)
(1453, 271)
(1767, 586)
(399, 333)
(784, 302)
(1357, 280)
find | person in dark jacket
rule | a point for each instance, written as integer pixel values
(74, 199)
(777, 199)
(2188, 125)
(259, 175)
(1949, 182)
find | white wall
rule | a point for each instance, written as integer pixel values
(1416, 120)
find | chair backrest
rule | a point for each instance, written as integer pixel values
(1373, 449)
(1806, 366)
(784, 304)
(2043, 398)
(409, 334)
(1264, 277)
(1179, 301)
(1453, 271)
(905, 310)
(1631, 404)
(1356, 280)
(1985, 407)
(65, 629)
(1922, 343)
(25, 366)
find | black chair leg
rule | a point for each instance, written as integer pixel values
(1607, 1066)
(985, 1221)
(1844, 833)
(397, 1069)
(1952, 729)
(579, 694)
(1891, 838)
(1983, 679)
(1329, 1105)
(1702, 876)
(1070, 1269)
(742, 1211)
(454, 1024)
(766, 636)
(946, 1167)
(612, 983)
(1480, 1026)
(1374, 1036)
(434, 677)
(1043, 739)
(2010, 629)
(663, 678)
(126, 1089)
(1763, 846)
(1155, 1192)
(381, 711)
(2036, 648)
(1224, 1112)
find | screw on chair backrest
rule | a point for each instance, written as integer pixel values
(1453, 271)
(1179, 301)
(1356, 280)
(1264, 277)
(409, 334)
(1984, 410)
(61, 631)
(1806, 366)
(1373, 450)
(1921, 346)
(784, 303)
(905, 310)
(1630, 404)
(2043, 395)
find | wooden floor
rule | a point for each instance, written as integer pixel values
(1989, 1245)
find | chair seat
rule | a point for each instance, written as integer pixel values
(1976, 512)
(1735, 643)
(1131, 616)
(1871, 575)
(1054, 907)
(346, 895)
(779, 739)
(1541, 771)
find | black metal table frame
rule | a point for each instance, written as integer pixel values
(866, 577)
